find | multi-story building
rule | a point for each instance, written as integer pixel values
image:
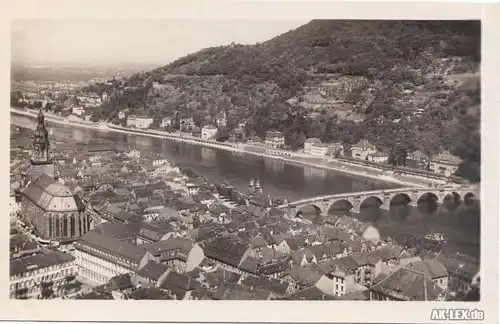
(445, 163)
(309, 144)
(99, 258)
(395, 287)
(378, 157)
(275, 139)
(141, 122)
(208, 132)
(173, 252)
(343, 274)
(187, 124)
(417, 159)
(320, 149)
(78, 111)
(221, 120)
(40, 276)
(167, 121)
(362, 149)
(336, 149)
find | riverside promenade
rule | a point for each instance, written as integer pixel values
(291, 157)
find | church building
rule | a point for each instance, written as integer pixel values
(51, 208)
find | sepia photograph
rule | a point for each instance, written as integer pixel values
(318, 160)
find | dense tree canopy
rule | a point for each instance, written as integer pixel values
(403, 66)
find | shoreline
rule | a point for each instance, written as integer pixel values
(342, 167)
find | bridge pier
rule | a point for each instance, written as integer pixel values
(413, 203)
(356, 208)
(386, 204)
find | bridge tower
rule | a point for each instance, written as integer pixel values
(356, 204)
(386, 201)
(414, 195)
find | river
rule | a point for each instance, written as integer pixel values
(459, 223)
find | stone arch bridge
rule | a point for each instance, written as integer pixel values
(384, 198)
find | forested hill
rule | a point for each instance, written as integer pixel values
(335, 80)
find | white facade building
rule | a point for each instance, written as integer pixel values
(362, 149)
(275, 139)
(139, 122)
(28, 275)
(309, 144)
(208, 132)
(445, 163)
(100, 258)
(167, 121)
(78, 111)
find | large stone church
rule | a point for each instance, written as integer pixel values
(51, 208)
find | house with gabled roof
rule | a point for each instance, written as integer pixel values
(434, 270)
(405, 284)
(445, 163)
(362, 149)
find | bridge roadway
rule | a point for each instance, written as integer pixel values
(383, 197)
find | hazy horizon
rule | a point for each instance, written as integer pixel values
(100, 42)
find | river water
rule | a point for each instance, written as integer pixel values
(458, 222)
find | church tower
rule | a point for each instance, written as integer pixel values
(41, 161)
(41, 144)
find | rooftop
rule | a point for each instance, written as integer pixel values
(113, 246)
(408, 284)
(51, 195)
(18, 266)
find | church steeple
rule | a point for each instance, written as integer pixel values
(41, 144)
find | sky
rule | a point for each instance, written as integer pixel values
(115, 41)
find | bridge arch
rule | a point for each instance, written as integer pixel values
(340, 205)
(468, 197)
(300, 210)
(400, 198)
(423, 196)
(455, 195)
(371, 201)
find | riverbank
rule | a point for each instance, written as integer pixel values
(292, 158)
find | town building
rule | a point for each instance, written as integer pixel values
(445, 163)
(41, 275)
(77, 111)
(122, 113)
(405, 284)
(173, 252)
(362, 149)
(187, 124)
(378, 157)
(167, 121)
(309, 144)
(336, 150)
(141, 122)
(134, 154)
(100, 258)
(227, 252)
(275, 139)
(417, 159)
(208, 132)
(434, 270)
(320, 149)
(221, 120)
